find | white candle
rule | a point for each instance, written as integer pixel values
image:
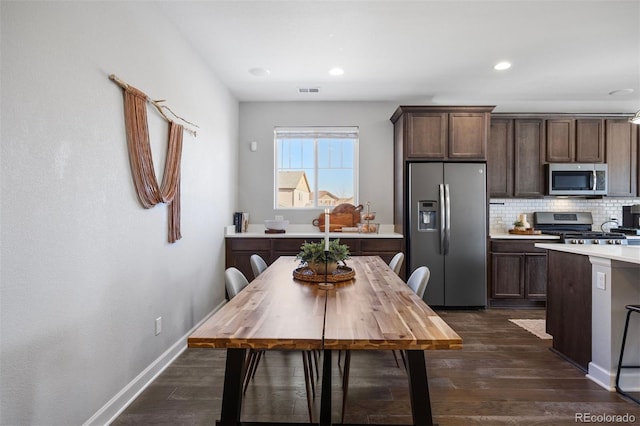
(326, 229)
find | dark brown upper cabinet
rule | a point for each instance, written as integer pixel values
(590, 141)
(572, 140)
(529, 167)
(520, 144)
(427, 135)
(444, 133)
(515, 166)
(622, 158)
(500, 158)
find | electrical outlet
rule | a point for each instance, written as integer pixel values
(158, 325)
(601, 280)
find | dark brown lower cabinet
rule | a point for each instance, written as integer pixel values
(238, 253)
(238, 250)
(518, 273)
(569, 306)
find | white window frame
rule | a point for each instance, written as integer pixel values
(316, 132)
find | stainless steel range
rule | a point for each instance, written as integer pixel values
(574, 228)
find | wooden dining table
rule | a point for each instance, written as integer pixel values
(375, 310)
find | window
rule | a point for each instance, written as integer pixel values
(315, 167)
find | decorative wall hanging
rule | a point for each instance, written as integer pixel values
(142, 170)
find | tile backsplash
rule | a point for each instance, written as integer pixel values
(504, 211)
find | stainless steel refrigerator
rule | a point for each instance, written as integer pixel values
(448, 231)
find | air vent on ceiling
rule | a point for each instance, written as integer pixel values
(308, 90)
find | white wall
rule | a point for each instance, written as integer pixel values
(85, 270)
(257, 121)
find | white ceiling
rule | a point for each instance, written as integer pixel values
(567, 55)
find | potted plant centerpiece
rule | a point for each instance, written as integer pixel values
(518, 225)
(312, 253)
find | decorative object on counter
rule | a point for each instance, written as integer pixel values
(347, 229)
(368, 227)
(521, 224)
(343, 215)
(276, 226)
(237, 221)
(529, 231)
(275, 231)
(245, 221)
(320, 265)
(522, 227)
(351, 209)
(612, 220)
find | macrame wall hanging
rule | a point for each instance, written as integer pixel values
(142, 170)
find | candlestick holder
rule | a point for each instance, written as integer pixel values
(326, 285)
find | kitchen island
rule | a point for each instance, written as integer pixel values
(614, 283)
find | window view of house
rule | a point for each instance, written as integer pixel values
(315, 167)
(293, 189)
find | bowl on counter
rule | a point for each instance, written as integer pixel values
(368, 228)
(276, 225)
(369, 216)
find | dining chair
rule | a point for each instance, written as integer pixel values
(258, 265)
(235, 282)
(396, 265)
(396, 262)
(418, 283)
(418, 280)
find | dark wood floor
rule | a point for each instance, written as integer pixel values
(503, 376)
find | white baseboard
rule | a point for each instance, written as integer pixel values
(130, 392)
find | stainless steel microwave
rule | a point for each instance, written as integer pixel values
(576, 179)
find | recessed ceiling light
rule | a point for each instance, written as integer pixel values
(619, 92)
(336, 71)
(259, 72)
(501, 66)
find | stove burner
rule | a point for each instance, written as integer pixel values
(589, 237)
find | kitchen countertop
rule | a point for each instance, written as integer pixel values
(507, 236)
(630, 254)
(308, 231)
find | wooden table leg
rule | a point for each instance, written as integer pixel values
(419, 388)
(325, 396)
(232, 391)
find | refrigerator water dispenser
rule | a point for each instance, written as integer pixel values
(427, 215)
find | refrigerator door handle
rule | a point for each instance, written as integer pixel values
(442, 217)
(447, 225)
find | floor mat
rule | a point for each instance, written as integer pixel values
(534, 326)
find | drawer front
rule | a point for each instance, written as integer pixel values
(380, 245)
(289, 244)
(249, 244)
(518, 246)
